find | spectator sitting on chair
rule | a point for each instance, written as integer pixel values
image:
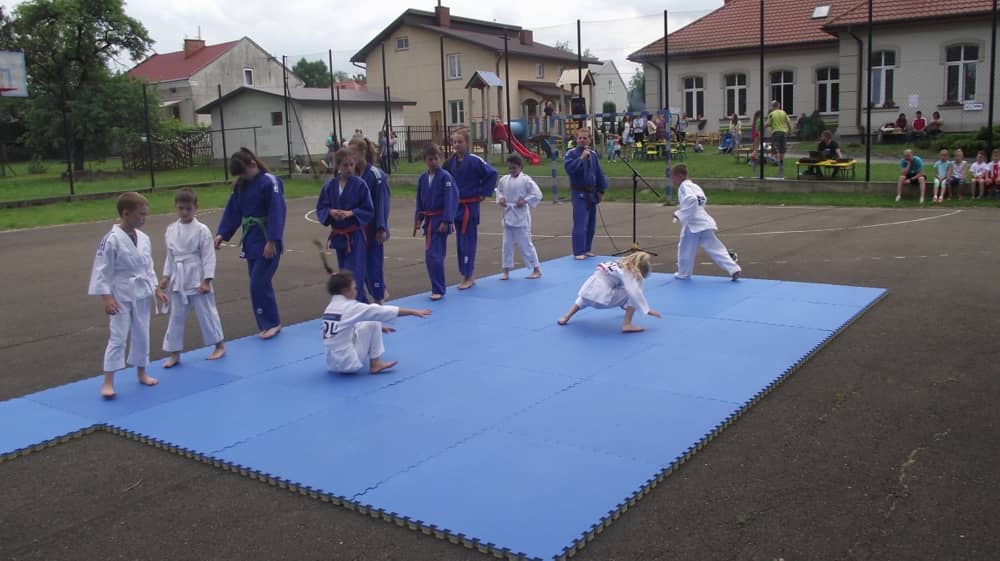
(918, 128)
(800, 126)
(901, 122)
(934, 127)
(911, 171)
(828, 150)
(661, 128)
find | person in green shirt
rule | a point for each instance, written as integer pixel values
(777, 121)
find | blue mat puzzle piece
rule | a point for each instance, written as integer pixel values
(636, 423)
(791, 313)
(348, 448)
(501, 489)
(252, 355)
(83, 397)
(844, 295)
(27, 423)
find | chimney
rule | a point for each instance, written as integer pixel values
(443, 15)
(527, 37)
(192, 46)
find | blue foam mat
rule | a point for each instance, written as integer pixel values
(495, 417)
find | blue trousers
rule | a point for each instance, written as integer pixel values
(374, 270)
(355, 261)
(262, 299)
(465, 245)
(584, 221)
(434, 257)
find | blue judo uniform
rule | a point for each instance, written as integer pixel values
(476, 179)
(258, 207)
(437, 203)
(586, 180)
(378, 187)
(348, 236)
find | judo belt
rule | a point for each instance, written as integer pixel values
(584, 189)
(425, 219)
(468, 213)
(346, 232)
(250, 222)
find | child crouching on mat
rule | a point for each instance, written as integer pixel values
(352, 331)
(616, 284)
(516, 194)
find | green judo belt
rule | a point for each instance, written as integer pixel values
(250, 222)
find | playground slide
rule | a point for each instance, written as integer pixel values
(523, 151)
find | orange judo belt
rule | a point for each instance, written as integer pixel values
(346, 232)
(468, 213)
(425, 218)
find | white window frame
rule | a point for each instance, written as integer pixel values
(454, 66)
(245, 74)
(962, 67)
(456, 112)
(886, 73)
(539, 70)
(828, 84)
(736, 89)
(697, 93)
(405, 40)
(785, 85)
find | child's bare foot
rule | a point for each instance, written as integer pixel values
(505, 275)
(579, 257)
(436, 296)
(467, 283)
(173, 360)
(107, 390)
(590, 254)
(268, 333)
(536, 274)
(146, 379)
(378, 365)
(563, 320)
(632, 328)
(219, 351)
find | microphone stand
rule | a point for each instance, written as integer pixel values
(636, 177)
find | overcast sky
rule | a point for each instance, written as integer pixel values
(309, 27)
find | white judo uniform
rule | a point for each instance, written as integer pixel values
(698, 230)
(517, 220)
(611, 286)
(124, 269)
(352, 333)
(190, 260)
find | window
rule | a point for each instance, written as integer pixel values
(276, 119)
(402, 43)
(828, 90)
(961, 73)
(248, 76)
(539, 71)
(175, 111)
(782, 86)
(454, 67)
(694, 95)
(883, 69)
(456, 112)
(820, 12)
(736, 94)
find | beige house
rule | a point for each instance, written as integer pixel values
(928, 56)
(190, 78)
(413, 53)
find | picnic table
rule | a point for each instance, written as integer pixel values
(830, 168)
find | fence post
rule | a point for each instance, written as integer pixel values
(409, 145)
(69, 147)
(149, 139)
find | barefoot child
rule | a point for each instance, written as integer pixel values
(377, 231)
(187, 277)
(616, 284)
(476, 180)
(352, 331)
(345, 205)
(698, 228)
(941, 175)
(517, 192)
(124, 278)
(980, 172)
(437, 205)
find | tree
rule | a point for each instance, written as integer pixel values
(360, 78)
(564, 46)
(315, 73)
(637, 91)
(67, 46)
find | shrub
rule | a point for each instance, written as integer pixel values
(37, 166)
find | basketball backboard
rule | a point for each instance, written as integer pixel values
(13, 78)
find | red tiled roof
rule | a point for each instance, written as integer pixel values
(887, 11)
(173, 66)
(736, 25)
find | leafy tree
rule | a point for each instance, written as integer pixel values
(68, 45)
(359, 77)
(315, 73)
(637, 91)
(564, 46)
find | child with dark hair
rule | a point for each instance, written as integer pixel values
(516, 194)
(377, 230)
(352, 331)
(257, 206)
(345, 205)
(437, 206)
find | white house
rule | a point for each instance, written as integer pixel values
(609, 86)
(260, 114)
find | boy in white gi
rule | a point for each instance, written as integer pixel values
(187, 277)
(124, 278)
(616, 284)
(517, 192)
(352, 331)
(698, 228)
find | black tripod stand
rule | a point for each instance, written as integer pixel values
(636, 177)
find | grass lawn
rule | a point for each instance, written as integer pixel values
(161, 202)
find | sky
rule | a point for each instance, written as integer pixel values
(308, 28)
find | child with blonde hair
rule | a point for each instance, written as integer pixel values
(957, 171)
(616, 284)
(941, 175)
(980, 172)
